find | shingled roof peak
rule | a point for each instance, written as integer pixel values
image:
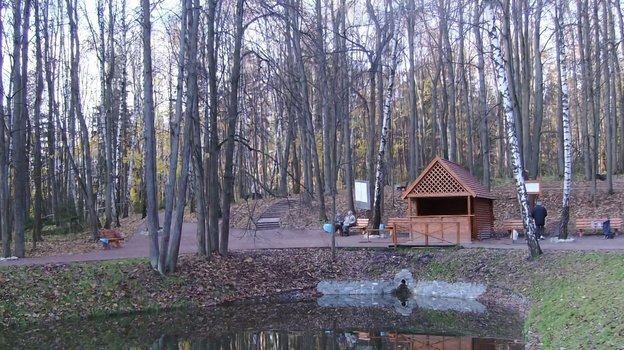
(442, 174)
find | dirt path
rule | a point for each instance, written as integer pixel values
(138, 245)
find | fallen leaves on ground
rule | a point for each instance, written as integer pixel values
(244, 214)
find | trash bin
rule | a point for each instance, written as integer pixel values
(329, 228)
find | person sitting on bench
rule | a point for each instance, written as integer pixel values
(348, 222)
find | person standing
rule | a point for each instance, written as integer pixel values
(539, 214)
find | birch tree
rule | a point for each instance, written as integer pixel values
(387, 110)
(565, 114)
(512, 138)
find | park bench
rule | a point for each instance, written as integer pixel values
(111, 238)
(587, 225)
(360, 224)
(511, 224)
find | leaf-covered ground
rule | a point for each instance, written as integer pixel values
(571, 293)
(301, 216)
(82, 289)
(578, 288)
(506, 206)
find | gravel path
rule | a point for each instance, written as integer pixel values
(138, 245)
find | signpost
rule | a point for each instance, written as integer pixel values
(362, 197)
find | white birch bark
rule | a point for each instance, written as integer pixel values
(387, 108)
(567, 134)
(512, 138)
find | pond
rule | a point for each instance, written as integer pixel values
(303, 325)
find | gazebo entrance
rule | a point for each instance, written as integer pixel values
(446, 206)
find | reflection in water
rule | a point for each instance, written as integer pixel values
(403, 306)
(288, 326)
(369, 340)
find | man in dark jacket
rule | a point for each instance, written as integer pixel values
(539, 214)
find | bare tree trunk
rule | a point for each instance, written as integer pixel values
(483, 108)
(150, 135)
(620, 121)
(447, 55)
(413, 165)
(610, 96)
(309, 151)
(343, 107)
(466, 111)
(121, 169)
(54, 190)
(174, 130)
(212, 242)
(76, 107)
(5, 233)
(228, 176)
(512, 70)
(283, 165)
(109, 122)
(520, 56)
(596, 103)
(586, 110)
(501, 78)
(20, 114)
(38, 200)
(565, 114)
(538, 95)
(191, 111)
(323, 103)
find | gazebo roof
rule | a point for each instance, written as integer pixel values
(443, 178)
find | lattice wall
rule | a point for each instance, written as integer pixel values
(438, 180)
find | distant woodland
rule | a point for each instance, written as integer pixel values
(117, 107)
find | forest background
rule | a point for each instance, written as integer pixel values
(230, 100)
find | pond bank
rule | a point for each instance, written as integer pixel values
(32, 294)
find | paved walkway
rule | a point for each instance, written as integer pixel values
(138, 245)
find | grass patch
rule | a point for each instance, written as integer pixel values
(581, 308)
(575, 298)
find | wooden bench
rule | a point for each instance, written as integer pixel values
(363, 225)
(511, 224)
(595, 224)
(360, 224)
(111, 238)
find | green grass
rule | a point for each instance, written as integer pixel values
(583, 308)
(576, 298)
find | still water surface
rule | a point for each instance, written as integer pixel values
(280, 326)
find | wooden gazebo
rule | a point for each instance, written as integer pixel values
(447, 204)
